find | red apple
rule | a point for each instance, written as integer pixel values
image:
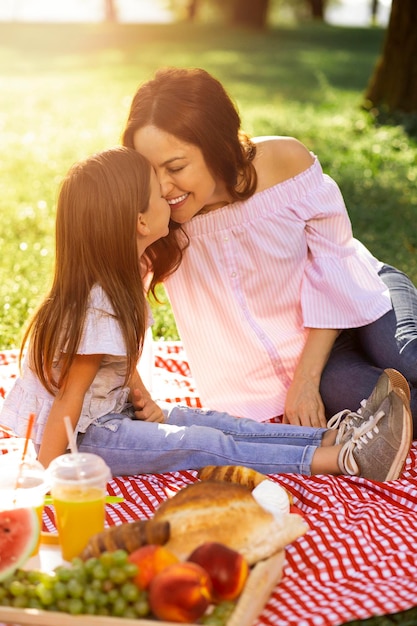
(180, 593)
(228, 570)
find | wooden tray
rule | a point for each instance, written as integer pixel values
(262, 580)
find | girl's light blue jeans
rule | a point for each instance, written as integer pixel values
(361, 354)
(193, 438)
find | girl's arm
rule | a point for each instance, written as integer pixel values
(303, 405)
(68, 401)
(145, 408)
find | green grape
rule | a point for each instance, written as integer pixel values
(90, 564)
(117, 575)
(60, 590)
(63, 573)
(130, 613)
(75, 606)
(220, 614)
(5, 601)
(62, 605)
(119, 607)
(7, 581)
(106, 559)
(34, 603)
(141, 606)
(112, 595)
(20, 602)
(78, 571)
(103, 610)
(90, 609)
(17, 588)
(107, 585)
(74, 588)
(3, 593)
(96, 584)
(101, 599)
(130, 592)
(90, 595)
(131, 569)
(34, 576)
(31, 590)
(100, 572)
(45, 594)
(120, 557)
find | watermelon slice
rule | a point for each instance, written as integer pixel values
(19, 533)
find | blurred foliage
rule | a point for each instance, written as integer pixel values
(65, 91)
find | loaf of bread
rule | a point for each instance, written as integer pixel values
(226, 513)
(238, 474)
(269, 494)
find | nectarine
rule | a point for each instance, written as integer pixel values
(180, 593)
(228, 569)
(151, 560)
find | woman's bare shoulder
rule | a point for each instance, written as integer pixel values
(279, 158)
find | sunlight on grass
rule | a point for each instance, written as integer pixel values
(65, 91)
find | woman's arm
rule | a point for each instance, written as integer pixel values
(303, 405)
(68, 401)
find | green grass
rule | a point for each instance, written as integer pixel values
(65, 91)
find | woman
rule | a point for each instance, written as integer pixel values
(280, 310)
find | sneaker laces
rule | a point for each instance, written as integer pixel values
(344, 421)
(361, 436)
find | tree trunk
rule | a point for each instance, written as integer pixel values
(251, 13)
(317, 9)
(192, 10)
(374, 11)
(393, 85)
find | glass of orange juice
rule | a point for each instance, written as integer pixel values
(78, 488)
(23, 484)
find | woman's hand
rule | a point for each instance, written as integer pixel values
(303, 405)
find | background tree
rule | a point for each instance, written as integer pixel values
(317, 8)
(393, 85)
(252, 13)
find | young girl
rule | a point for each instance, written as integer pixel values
(84, 342)
(295, 316)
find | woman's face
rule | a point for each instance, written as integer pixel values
(186, 182)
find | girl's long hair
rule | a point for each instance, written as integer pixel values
(96, 231)
(193, 106)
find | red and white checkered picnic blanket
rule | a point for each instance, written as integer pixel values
(358, 560)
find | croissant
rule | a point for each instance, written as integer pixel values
(128, 536)
(232, 474)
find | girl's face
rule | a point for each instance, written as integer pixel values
(154, 222)
(186, 182)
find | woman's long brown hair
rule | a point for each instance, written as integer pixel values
(193, 106)
(96, 230)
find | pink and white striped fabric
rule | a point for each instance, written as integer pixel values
(257, 274)
(359, 558)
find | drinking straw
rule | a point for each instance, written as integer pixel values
(70, 435)
(27, 436)
(72, 444)
(24, 453)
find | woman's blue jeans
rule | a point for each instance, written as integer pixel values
(193, 438)
(360, 355)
